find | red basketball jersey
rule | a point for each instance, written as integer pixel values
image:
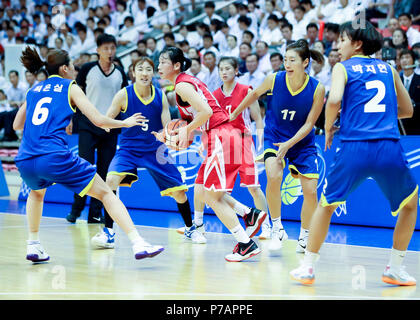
(187, 112)
(231, 102)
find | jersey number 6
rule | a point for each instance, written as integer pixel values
(40, 114)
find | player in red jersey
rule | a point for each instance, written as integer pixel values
(218, 171)
(229, 96)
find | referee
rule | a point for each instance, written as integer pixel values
(100, 80)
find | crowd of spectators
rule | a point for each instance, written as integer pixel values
(257, 32)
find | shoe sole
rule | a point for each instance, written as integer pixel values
(396, 282)
(303, 281)
(144, 254)
(300, 249)
(35, 258)
(250, 256)
(102, 246)
(259, 223)
(181, 231)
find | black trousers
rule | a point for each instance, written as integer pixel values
(6, 122)
(105, 145)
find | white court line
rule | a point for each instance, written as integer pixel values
(214, 295)
(219, 233)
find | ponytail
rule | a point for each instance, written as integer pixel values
(186, 64)
(317, 56)
(55, 59)
(31, 60)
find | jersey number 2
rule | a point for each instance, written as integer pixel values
(41, 113)
(373, 104)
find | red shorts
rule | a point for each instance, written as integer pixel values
(228, 154)
(248, 171)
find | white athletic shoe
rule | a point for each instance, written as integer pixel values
(104, 239)
(143, 249)
(303, 274)
(194, 235)
(277, 240)
(265, 232)
(200, 229)
(301, 245)
(398, 277)
(35, 252)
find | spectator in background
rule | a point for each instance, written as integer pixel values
(312, 34)
(212, 80)
(153, 53)
(233, 50)
(169, 16)
(405, 21)
(196, 70)
(253, 77)
(120, 14)
(271, 34)
(411, 81)
(264, 64)
(299, 27)
(326, 10)
(129, 33)
(30, 79)
(333, 58)
(311, 15)
(276, 60)
(208, 46)
(245, 50)
(209, 9)
(392, 25)
(331, 36)
(399, 39)
(287, 32)
(270, 9)
(11, 37)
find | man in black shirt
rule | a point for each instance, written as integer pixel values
(100, 80)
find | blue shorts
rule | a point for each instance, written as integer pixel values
(302, 160)
(73, 172)
(382, 160)
(160, 166)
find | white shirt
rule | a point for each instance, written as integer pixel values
(202, 75)
(169, 17)
(130, 34)
(407, 81)
(213, 80)
(413, 36)
(328, 10)
(271, 36)
(253, 80)
(299, 29)
(264, 64)
(207, 20)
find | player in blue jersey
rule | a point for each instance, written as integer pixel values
(44, 157)
(295, 101)
(372, 98)
(138, 148)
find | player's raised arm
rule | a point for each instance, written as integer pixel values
(119, 104)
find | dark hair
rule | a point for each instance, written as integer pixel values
(301, 8)
(288, 25)
(208, 36)
(196, 59)
(249, 33)
(276, 54)
(169, 35)
(406, 14)
(370, 37)
(273, 17)
(405, 42)
(252, 54)
(312, 25)
(129, 18)
(410, 52)
(245, 20)
(302, 49)
(247, 44)
(209, 53)
(333, 27)
(105, 38)
(210, 4)
(55, 59)
(231, 60)
(176, 55)
(14, 71)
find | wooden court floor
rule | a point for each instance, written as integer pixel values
(183, 270)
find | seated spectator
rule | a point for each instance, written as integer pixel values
(299, 27)
(192, 37)
(120, 14)
(405, 21)
(152, 51)
(4, 102)
(331, 36)
(272, 34)
(276, 60)
(411, 81)
(311, 15)
(209, 9)
(326, 10)
(208, 45)
(287, 32)
(233, 49)
(245, 50)
(160, 19)
(416, 50)
(264, 64)
(399, 38)
(197, 71)
(219, 32)
(41, 75)
(391, 27)
(312, 34)
(30, 79)
(319, 72)
(253, 77)
(269, 10)
(129, 33)
(212, 80)
(333, 58)
(249, 37)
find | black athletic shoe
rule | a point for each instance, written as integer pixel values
(243, 251)
(71, 217)
(253, 221)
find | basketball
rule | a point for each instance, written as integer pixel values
(290, 190)
(169, 133)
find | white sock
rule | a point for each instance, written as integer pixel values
(33, 237)
(303, 233)
(198, 218)
(135, 237)
(310, 258)
(241, 209)
(277, 224)
(396, 258)
(240, 234)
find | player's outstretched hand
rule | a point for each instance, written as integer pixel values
(160, 136)
(136, 119)
(329, 136)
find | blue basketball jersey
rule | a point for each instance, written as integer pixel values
(369, 108)
(138, 137)
(48, 112)
(287, 111)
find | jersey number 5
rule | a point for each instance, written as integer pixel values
(373, 104)
(41, 113)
